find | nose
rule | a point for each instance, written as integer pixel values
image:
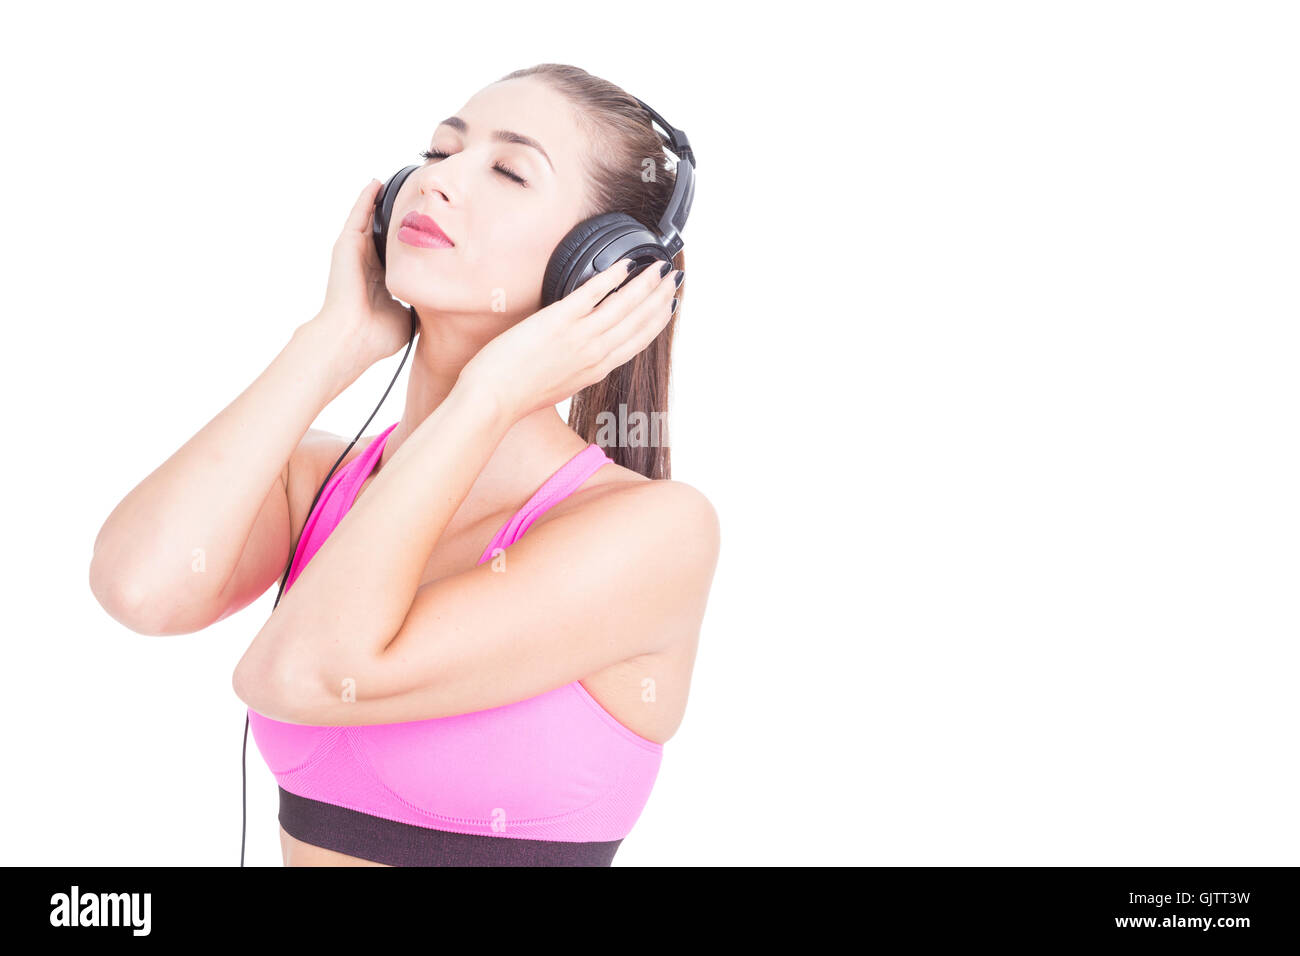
(427, 184)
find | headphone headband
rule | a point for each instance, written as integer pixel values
(679, 204)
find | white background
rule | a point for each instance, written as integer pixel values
(988, 367)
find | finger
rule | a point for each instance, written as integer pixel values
(639, 327)
(619, 305)
(646, 334)
(588, 295)
(373, 265)
(359, 217)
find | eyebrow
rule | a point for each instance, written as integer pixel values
(501, 135)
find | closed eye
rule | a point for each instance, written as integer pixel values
(502, 169)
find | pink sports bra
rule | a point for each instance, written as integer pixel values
(551, 780)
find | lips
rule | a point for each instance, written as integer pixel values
(422, 223)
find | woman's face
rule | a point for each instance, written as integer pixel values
(503, 231)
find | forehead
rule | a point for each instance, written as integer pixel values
(532, 108)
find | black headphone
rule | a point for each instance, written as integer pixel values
(591, 246)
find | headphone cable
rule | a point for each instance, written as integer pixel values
(243, 761)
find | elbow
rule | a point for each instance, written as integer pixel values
(151, 611)
(243, 688)
(125, 603)
(266, 687)
(251, 686)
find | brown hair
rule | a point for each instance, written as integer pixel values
(621, 137)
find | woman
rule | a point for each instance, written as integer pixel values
(423, 699)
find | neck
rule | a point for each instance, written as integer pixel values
(534, 447)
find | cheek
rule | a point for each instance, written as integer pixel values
(515, 257)
(523, 245)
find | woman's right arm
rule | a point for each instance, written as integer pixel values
(201, 536)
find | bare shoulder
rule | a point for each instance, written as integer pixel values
(318, 451)
(692, 520)
(680, 507)
(308, 465)
(672, 513)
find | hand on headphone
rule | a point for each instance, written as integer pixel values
(366, 319)
(570, 344)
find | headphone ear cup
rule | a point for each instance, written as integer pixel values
(572, 262)
(385, 199)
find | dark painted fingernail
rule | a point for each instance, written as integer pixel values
(674, 308)
(677, 282)
(663, 270)
(631, 264)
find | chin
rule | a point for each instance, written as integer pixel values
(410, 283)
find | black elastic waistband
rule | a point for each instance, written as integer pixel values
(403, 844)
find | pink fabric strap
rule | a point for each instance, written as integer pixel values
(556, 488)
